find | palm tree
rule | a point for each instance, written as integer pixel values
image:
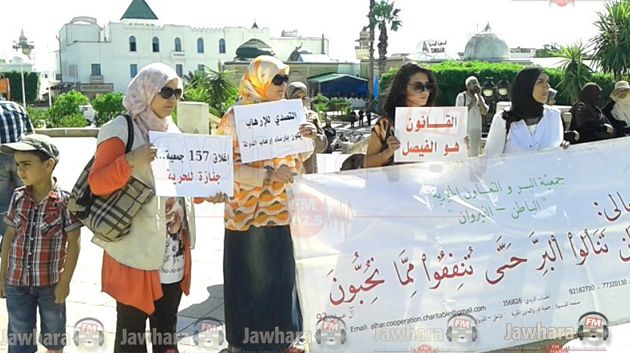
(612, 43)
(385, 16)
(372, 27)
(214, 87)
(195, 79)
(221, 91)
(575, 73)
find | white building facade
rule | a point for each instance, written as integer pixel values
(101, 59)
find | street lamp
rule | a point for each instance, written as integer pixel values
(489, 88)
(504, 90)
(489, 92)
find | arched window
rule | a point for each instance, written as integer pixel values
(132, 43)
(221, 46)
(200, 45)
(178, 44)
(156, 45)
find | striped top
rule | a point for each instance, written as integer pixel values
(257, 204)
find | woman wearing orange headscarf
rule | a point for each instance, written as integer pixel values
(258, 264)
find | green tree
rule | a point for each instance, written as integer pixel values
(213, 87)
(385, 15)
(31, 85)
(575, 73)
(74, 120)
(612, 43)
(222, 93)
(107, 107)
(66, 105)
(549, 51)
(196, 78)
(38, 116)
(196, 94)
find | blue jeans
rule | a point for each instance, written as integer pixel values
(22, 304)
(9, 180)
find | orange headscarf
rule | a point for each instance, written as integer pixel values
(257, 78)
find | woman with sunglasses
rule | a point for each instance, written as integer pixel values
(528, 125)
(413, 86)
(258, 265)
(148, 270)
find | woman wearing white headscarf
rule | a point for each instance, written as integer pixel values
(148, 270)
(298, 90)
(618, 109)
(258, 265)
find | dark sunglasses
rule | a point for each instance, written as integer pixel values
(278, 80)
(420, 87)
(167, 92)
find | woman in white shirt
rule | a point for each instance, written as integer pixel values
(528, 125)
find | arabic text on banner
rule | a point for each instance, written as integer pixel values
(270, 130)
(518, 247)
(192, 165)
(429, 134)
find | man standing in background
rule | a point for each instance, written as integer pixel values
(14, 124)
(477, 108)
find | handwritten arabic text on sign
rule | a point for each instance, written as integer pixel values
(516, 242)
(270, 130)
(192, 165)
(429, 134)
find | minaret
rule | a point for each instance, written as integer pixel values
(24, 45)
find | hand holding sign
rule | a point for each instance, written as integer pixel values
(145, 154)
(272, 129)
(219, 197)
(193, 165)
(282, 175)
(393, 144)
(308, 130)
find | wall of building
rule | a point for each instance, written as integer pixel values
(84, 44)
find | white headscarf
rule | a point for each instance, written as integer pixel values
(621, 109)
(470, 79)
(147, 83)
(294, 88)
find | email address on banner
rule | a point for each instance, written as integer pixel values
(427, 317)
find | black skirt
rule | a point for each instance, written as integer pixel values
(261, 307)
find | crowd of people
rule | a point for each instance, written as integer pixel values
(148, 271)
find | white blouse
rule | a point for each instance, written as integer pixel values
(548, 133)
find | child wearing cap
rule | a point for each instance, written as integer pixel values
(39, 250)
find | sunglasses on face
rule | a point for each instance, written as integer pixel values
(420, 87)
(278, 80)
(167, 92)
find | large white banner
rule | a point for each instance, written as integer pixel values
(270, 130)
(465, 256)
(192, 165)
(431, 133)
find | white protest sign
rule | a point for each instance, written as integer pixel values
(192, 165)
(270, 130)
(429, 134)
(467, 256)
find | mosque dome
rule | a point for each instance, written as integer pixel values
(253, 48)
(486, 46)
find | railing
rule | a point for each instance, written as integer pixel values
(96, 79)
